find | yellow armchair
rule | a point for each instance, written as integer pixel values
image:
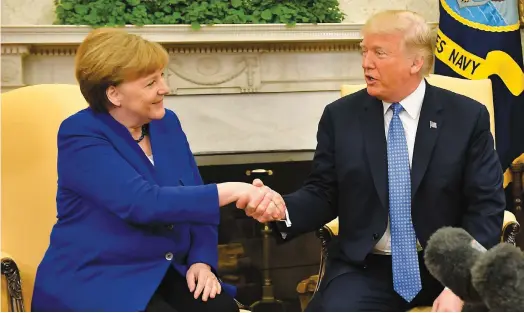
(479, 90)
(30, 117)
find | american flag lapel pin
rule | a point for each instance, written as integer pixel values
(432, 124)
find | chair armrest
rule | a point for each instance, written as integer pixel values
(328, 231)
(307, 285)
(241, 307)
(332, 227)
(510, 228)
(13, 293)
(509, 218)
(6, 255)
(325, 234)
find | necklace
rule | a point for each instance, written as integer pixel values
(144, 133)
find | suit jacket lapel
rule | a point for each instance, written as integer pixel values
(121, 139)
(375, 143)
(429, 125)
(165, 155)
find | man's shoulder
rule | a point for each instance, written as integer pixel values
(454, 101)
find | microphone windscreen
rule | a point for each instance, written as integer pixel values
(449, 255)
(498, 276)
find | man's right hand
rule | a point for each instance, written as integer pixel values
(267, 206)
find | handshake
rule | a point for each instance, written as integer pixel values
(261, 202)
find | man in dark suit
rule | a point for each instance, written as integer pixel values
(394, 163)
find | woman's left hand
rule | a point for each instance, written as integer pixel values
(201, 280)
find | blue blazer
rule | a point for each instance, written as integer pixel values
(122, 221)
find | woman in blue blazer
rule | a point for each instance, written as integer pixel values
(136, 228)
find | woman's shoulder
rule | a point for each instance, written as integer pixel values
(170, 119)
(170, 115)
(83, 120)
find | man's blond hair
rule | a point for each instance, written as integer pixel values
(417, 34)
(109, 56)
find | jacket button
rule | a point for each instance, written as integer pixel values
(375, 236)
(169, 227)
(169, 256)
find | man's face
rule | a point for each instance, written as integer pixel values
(388, 69)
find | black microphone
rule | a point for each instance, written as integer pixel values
(449, 256)
(498, 276)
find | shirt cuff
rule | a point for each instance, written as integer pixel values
(288, 224)
(288, 221)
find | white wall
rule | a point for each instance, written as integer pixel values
(233, 123)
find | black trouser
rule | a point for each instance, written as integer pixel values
(370, 288)
(173, 295)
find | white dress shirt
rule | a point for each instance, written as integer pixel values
(412, 105)
(150, 157)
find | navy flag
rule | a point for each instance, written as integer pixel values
(480, 39)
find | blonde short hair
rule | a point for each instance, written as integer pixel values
(110, 56)
(417, 34)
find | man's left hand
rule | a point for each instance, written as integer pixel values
(447, 301)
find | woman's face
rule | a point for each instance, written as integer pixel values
(141, 99)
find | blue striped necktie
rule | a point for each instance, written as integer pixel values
(406, 273)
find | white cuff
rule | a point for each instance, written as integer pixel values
(288, 221)
(288, 224)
